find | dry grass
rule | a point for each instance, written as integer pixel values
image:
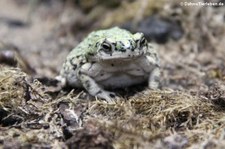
(156, 118)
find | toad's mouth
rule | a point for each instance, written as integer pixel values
(121, 57)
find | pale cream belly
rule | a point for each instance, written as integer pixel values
(122, 80)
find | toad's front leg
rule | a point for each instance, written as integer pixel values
(154, 78)
(94, 89)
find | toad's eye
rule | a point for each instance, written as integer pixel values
(106, 47)
(141, 42)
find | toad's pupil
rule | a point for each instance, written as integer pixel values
(106, 46)
(143, 41)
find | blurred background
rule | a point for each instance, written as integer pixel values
(190, 35)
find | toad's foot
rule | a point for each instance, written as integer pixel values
(95, 90)
(110, 97)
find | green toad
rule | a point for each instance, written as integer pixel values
(111, 58)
